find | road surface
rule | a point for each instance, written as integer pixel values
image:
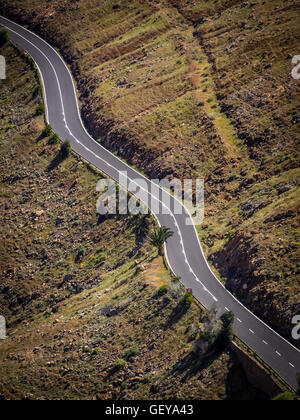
(184, 252)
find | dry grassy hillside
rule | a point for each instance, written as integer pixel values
(90, 313)
(199, 89)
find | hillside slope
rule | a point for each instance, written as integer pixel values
(200, 89)
(90, 312)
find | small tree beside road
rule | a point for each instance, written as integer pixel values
(48, 131)
(159, 236)
(65, 150)
(226, 335)
(4, 36)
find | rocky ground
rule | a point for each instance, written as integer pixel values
(200, 89)
(90, 313)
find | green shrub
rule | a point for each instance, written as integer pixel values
(40, 110)
(54, 139)
(132, 352)
(95, 259)
(66, 149)
(228, 320)
(98, 259)
(48, 131)
(132, 265)
(227, 334)
(120, 364)
(188, 300)
(38, 91)
(162, 290)
(4, 37)
(285, 396)
(47, 314)
(96, 351)
(80, 254)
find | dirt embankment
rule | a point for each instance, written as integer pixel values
(91, 314)
(200, 90)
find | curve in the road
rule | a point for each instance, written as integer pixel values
(184, 251)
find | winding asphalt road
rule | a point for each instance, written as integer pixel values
(184, 251)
